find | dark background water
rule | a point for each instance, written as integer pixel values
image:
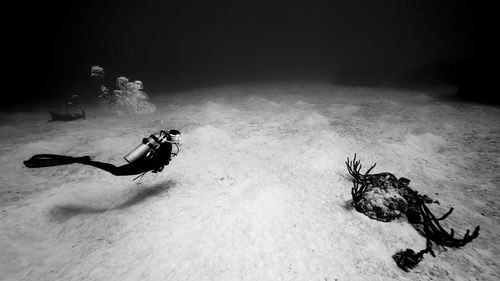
(172, 45)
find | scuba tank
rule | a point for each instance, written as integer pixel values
(147, 147)
(137, 153)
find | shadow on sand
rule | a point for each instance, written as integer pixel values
(62, 213)
(348, 205)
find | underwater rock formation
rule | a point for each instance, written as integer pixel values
(384, 197)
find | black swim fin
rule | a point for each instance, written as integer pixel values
(48, 160)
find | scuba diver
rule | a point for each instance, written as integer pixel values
(151, 155)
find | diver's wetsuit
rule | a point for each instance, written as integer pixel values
(142, 165)
(160, 158)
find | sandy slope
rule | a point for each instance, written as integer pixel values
(258, 192)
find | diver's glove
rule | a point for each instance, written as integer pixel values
(158, 169)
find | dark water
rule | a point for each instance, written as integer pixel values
(179, 45)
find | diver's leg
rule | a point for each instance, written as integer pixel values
(47, 160)
(124, 170)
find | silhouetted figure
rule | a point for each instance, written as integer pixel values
(153, 154)
(66, 117)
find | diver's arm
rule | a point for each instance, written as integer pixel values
(164, 152)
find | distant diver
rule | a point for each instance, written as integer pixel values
(54, 116)
(153, 154)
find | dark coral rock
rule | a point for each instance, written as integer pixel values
(382, 204)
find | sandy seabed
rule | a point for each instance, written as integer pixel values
(259, 190)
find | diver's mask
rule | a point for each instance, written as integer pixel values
(175, 138)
